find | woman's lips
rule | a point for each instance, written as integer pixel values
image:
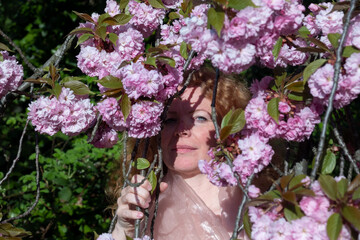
(183, 148)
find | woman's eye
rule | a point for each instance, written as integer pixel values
(170, 120)
(201, 119)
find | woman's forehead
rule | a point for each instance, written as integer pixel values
(192, 99)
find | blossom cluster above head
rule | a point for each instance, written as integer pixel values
(11, 73)
(68, 113)
(321, 82)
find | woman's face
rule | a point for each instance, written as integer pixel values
(188, 132)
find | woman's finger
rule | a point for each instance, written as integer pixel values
(129, 214)
(163, 186)
(135, 199)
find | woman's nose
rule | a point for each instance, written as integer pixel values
(182, 128)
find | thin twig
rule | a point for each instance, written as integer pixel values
(335, 84)
(240, 210)
(344, 148)
(34, 69)
(213, 103)
(37, 184)
(18, 154)
(349, 176)
(342, 165)
(93, 133)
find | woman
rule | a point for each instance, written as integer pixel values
(190, 207)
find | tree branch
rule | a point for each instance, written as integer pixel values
(335, 84)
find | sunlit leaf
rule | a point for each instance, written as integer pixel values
(153, 180)
(296, 87)
(57, 90)
(81, 30)
(151, 61)
(334, 39)
(277, 48)
(166, 60)
(156, 3)
(329, 163)
(333, 226)
(183, 50)
(247, 224)
(83, 38)
(238, 5)
(4, 47)
(123, 4)
(111, 82)
(328, 185)
(102, 17)
(101, 32)
(125, 106)
(348, 50)
(355, 183)
(312, 67)
(303, 32)
(141, 163)
(113, 38)
(356, 194)
(216, 19)
(295, 97)
(290, 215)
(122, 18)
(296, 180)
(84, 16)
(342, 186)
(273, 109)
(174, 15)
(78, 87)
(352, 215)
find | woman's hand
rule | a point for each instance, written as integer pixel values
(130, 198)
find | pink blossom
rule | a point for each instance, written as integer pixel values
(112, 8)
(111, 114)
(316, 207)
(284, 107)
(253, 191)
(11, 74)
(129, 44)
(105, 137)
(145, 119)
(329, 21)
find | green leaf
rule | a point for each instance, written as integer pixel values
(329, 186)
(285, 180)
(183, 50)
(122, 18)
(125, 106)
(304, 192)
(81, 30)
(111, 82)
(101, 32)
(290, 197)
(57, 90)
(355, 183)
(226, 119)
(303, 32)
(113, 38)
(247, 224)
(333, 226)
(290, 215)
(273, 109)
(216, 19)
(310, 49)
(83, 38)
(65, 194)
(356, 194)
(352, 215)
(78, 87)
(153, 180)
(312, 67)
(348, 50)
(279, 79)
(277, 48)
(296, 180)
(102, 17)
(240, 4)
(342, 187)
(110, 21)
(334, 39)
(123, 4)
(4, 47)
(151, 61)
(174, 15)
(141, 163)
(84, 16)
(232, 123)
(319, 43)
(156, 3)
(296, 87)
(166, 60)
(295, 97)
(129, 238)
(329, 163)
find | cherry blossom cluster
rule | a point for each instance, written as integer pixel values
(11, 73)
(296, 122)
(102, 58)
(69, 114)
(271, 223)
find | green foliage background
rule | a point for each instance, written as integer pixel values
(73, 173)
